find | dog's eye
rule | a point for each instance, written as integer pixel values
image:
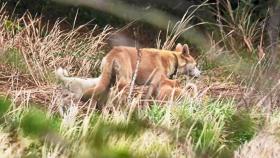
(190, 66)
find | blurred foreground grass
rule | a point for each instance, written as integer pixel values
(210, 128)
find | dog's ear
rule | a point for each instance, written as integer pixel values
(179, 47)
(185, 50)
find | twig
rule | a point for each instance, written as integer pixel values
(139, 56)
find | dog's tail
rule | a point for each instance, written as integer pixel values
(100, 90)
(61, 74)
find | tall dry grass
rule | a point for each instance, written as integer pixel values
(173, 33)
(47, 46)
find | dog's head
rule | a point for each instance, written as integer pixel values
(186, 63)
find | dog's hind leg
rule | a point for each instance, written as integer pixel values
(123, 83)
(99, 93)
(123, 77)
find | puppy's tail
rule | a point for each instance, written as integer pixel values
(61, 74)
(193, 87)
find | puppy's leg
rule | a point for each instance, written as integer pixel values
(178, 92)
(168, 89)
(167, 92)
(172, 83)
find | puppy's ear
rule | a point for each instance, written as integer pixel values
(179, 47)
(185, 50)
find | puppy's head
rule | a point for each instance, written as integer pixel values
(60, 73)
(186, 63)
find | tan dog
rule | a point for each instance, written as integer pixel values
(156, 67)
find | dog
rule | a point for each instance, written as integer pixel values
(155, 68)
(169, 89)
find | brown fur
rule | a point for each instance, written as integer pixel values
(155, 69)
(169, 89)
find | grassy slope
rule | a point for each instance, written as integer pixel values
(39, 121)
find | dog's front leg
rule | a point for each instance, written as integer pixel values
(152, 91)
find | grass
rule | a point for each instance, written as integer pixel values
(14, 58)
(38, 48)
(205, 125)
(213, 128)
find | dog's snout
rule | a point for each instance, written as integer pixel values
(195, 72)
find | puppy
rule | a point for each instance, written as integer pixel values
(75, 85)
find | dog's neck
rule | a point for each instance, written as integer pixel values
(170, 60)
(175, 67)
